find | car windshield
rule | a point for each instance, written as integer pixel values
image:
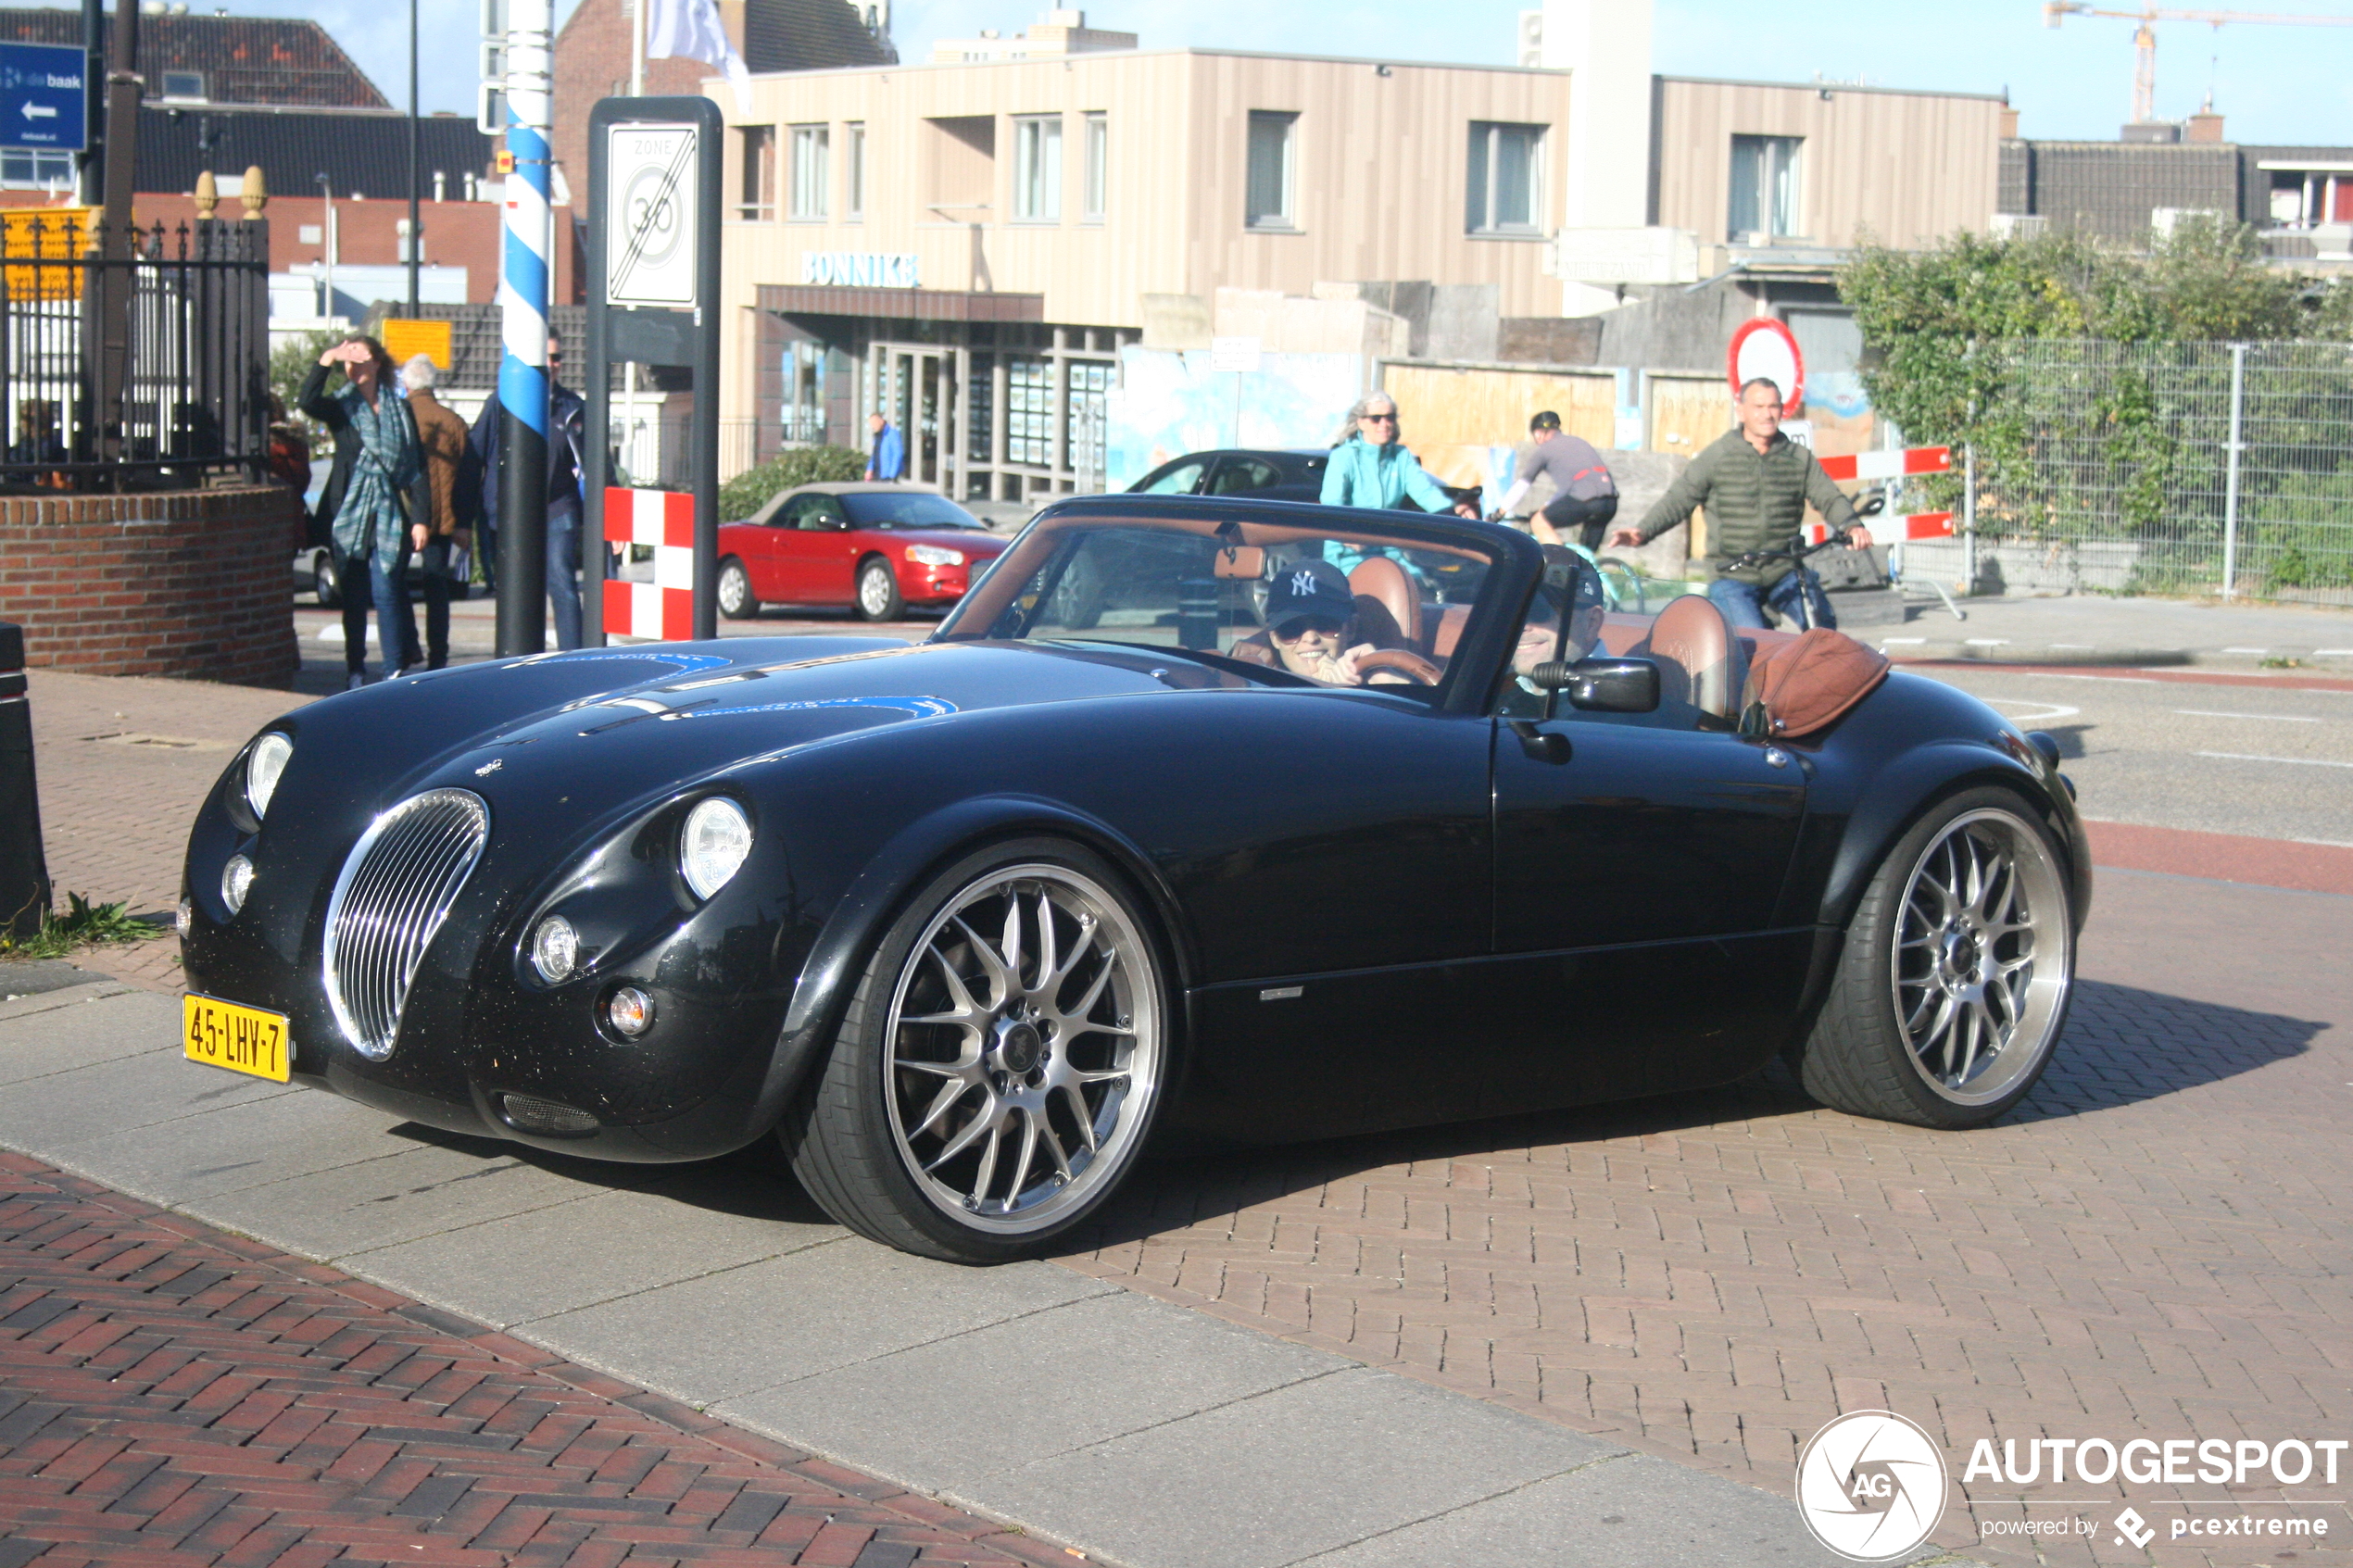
(1341, 608)
(907, 508)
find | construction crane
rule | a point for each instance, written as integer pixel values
(2145, 37)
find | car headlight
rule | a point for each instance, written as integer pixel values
(717, 839)
(263, 764)
(935, 555)
(237, 881)
(555, 950)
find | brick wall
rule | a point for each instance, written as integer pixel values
(194, 583)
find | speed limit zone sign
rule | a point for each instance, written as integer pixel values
(649, 222)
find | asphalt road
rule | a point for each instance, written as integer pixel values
(2205, 756)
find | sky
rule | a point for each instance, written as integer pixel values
(2273, 84)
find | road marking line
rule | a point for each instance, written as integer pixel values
(2217, 713)
(2325, 843)
(2333, 653)
(1987, 641)
(2246, 650)
(2075, 645)
(1907, 642)
(2250, 757)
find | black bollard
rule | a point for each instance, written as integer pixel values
(24, 871)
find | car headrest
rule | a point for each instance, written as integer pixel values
(1245, 561)
(1699, 653)
(1382, 579)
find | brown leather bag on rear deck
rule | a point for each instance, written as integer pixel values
(1806, 686)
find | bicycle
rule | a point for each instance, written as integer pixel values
(1811, 588)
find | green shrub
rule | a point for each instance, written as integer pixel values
(292, 361)
(751, 489)
(83, 925)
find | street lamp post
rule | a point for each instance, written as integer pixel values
(416, 236)
(326, 249)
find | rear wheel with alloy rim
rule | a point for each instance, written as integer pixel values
(1000, 1066)
(737, 601)
(1959, 969)
(878, 590)
(323, 581)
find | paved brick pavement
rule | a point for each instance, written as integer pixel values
(173, 1397)
(2156, 1245)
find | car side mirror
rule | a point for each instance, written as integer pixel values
(1602, 685)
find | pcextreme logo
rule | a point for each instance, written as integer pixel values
(1871, 1485)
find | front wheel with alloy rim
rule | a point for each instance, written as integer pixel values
(1000, 1065)
(878, 591)
(1957, 971)
(737, 601)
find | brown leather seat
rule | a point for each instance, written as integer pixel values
(1701, 659)
(1386, 584)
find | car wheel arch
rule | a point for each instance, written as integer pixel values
(879, 893)
(1894, 800)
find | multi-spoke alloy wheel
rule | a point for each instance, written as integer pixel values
(1007, 1046)
(1975, 1003)
(1959, 969)
(1018, 1051)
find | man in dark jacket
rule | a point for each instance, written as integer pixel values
(565, 420)
(1755, 484)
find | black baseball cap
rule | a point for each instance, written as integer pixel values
(1310, 587)
(1545, 420)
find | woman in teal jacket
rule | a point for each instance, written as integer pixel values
(1373, 469)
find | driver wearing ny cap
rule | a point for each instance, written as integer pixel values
(1311, 614)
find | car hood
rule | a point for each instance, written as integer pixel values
(970, 540)
(601, 730)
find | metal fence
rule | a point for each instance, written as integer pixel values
(2211, 468)
(184, 316)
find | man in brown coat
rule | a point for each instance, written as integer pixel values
(445, 525)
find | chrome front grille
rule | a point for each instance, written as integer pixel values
(395, 891)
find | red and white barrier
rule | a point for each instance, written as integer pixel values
(1894, 530)
(1890, 465)
(663, 609)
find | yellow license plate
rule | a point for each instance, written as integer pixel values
(242, 1039)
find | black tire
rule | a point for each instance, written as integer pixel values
(1926, 978)
(323, 581)
(737, 601)
(876, 596)
(1010, 1081)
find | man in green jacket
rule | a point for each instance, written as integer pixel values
(1755, 483)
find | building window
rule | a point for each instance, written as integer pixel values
(1764, 189)
(1097, 167)
(756, 202)
(812, 166)
(34, 168)
(1506, 178)
(853, 204)
(1038, 169)
(183, 84)
(1029, 423)
(1273, 173)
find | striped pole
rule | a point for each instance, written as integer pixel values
(523, 299)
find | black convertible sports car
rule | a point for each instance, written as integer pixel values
(1327, 820)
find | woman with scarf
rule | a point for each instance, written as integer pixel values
(366, 505)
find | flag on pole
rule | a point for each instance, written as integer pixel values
(691, 30)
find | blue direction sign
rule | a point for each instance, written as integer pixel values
(41, 88)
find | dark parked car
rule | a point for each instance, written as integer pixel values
(967, 922)
(1262, 475)
(876, 548)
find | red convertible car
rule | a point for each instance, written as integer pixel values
(878, 549)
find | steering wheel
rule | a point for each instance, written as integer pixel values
(1404, 661)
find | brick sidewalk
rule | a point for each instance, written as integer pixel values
(2157, 1244)
(173, 1397)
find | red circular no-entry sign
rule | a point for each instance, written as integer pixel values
(1766, 347)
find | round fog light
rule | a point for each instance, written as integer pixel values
(237, 881)
(630, 1011)
(555, 948)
